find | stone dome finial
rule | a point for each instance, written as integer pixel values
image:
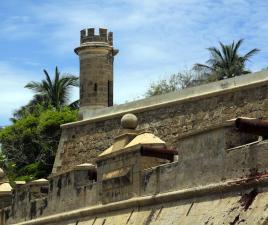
(2, 173)
(129, 121)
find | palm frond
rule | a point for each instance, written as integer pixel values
(251, 53)
(48, 77)
(54, 92)
(237, 46)
(216, 53)
(225, 61)
(199, 66)
(35, 86)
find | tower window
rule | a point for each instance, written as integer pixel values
(95, 87)
(110, 93)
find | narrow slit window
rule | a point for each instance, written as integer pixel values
(110, 93)
(95, 87)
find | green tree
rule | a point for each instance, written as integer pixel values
(55, 91)
(29, 145)
(175, 82)
(226, 62)
(34, 107)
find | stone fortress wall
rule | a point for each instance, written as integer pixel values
(217, 176)
(220, 177)
(169, 116)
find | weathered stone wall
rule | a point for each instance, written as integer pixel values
(72, 190)
(96, 71)
(223, 203)
(5, 201)
(246, 207)
(207, 165)
(83, 141)
(28, 201)
(122, 186)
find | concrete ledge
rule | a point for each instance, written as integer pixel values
(189, 94)
(80, 167)
(38, 182)
(243, 146)
(85, 166)
(218, 188)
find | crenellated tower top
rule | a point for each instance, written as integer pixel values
(88, 35)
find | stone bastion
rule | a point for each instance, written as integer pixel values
(195, 156)
(182, 162)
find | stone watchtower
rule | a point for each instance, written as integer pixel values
(96, 55)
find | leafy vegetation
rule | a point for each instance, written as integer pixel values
(175, 82)
(225, 62)
(172, 83)
(29, 145)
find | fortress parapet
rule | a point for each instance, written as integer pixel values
(88, 35)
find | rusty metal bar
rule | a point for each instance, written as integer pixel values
(253, 126)
(162, 153)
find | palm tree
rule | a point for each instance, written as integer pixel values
(54, 92)
(226, 62)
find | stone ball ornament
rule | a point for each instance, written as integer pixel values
(129, 121)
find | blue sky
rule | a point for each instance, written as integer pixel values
(155, 37)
